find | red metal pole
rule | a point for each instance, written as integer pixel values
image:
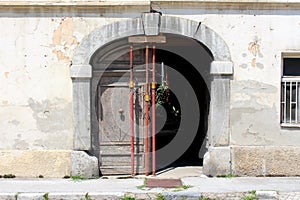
(153, 114)
(147, 112)
(131, 85)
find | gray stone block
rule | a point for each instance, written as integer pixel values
(30, 196)
(219, 129)
(266, 194)
(82, 116)
(8, 196)
(151, 23)
(81, 71)
(84, 165)
(217, 161)
(221, 68)
(265, 161)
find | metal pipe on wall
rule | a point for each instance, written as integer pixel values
(147, 113)
(153, 87)
(131, 98)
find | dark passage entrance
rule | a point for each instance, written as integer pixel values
(192, 156)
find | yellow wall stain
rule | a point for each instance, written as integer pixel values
(253, 62)
(60, 55)
(254, 48)
(6, 74)
(63, 35)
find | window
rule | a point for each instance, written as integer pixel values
(290, 92)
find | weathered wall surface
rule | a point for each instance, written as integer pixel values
(36, 112)
(256, 39)
(33, 163)
(256, 42)
(36, 92)
(259, 145)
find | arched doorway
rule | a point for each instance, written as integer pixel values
(87, 131)
(178, 143)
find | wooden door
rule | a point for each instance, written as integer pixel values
(114, 127)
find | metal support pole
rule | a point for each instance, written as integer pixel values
(153, 87)
(162, 74)
(145, 40)
(147, 98)
(131, 86)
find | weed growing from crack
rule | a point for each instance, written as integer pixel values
(128, 198)
(252, 196)
(160, 197)
(226, 176)
(16, 196)
(86, 197)
(45, 196)
(77, 177)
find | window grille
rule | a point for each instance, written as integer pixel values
(290, 96)
(290, 92)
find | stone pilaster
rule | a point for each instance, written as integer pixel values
(81, 75)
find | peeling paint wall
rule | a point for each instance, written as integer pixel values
(36, 89)
(259, 145)
(256, 39)
(36, 52)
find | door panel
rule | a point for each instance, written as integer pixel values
(115, 123)
(114, 127)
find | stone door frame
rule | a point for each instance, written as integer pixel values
(217, 160)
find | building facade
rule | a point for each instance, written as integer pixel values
(232, 67)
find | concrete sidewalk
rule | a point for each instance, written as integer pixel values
(196, 186)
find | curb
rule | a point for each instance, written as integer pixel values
(159, 195)
(60, 196)
(100, 196)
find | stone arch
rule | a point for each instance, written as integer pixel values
(221, 70)
(168, 24)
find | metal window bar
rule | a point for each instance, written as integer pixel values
(289, 101)
(296, 104)
(290, 106)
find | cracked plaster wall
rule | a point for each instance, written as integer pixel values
(36, 89)
(255, 89)
(256, 39)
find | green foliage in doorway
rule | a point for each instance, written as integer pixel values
(162, 96)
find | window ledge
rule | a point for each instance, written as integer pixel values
(287, 125)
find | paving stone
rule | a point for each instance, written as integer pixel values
(266, 194)
(164, 183)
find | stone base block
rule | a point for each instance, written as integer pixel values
(84, 165)
(266, 161)
(217, 161)
(32, 163)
